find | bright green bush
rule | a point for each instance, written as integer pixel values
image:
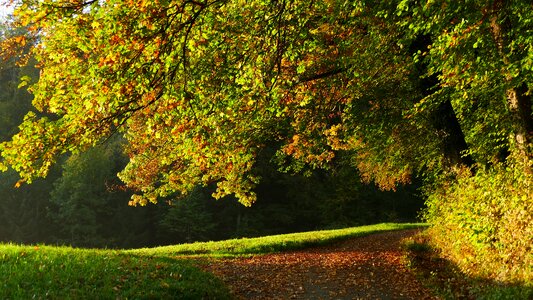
(484, 222)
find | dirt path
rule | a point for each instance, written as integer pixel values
(370, 267)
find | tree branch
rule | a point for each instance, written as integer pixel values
(326, 74)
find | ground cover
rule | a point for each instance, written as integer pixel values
(368, 267)
(446, 279)
(273, 243)
(44, 272)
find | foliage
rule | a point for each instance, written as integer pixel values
(66, 273)
(274, 243)
(334, 198)
(27, 212)
(82, 199)
(479, 55)
(483, 223)
(482, 56)
(14, 102)
(197, 91)
(84, 204)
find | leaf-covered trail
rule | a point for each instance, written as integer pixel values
(370, 267)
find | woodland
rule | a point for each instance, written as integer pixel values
(137, 123)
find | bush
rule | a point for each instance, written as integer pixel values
(483, 223)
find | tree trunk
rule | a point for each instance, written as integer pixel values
(518, 100)
(452, 137)
(444, 119)
(520, 107)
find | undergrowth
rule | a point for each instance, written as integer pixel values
(484, 223)
(448, 281)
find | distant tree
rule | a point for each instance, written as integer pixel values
(23, 211)
(188, 219)
(82, 199)
(90, 205)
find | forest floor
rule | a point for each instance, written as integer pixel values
(370, 267)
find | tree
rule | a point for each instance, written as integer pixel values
(189, 219)
(481, 57)
(89, 205)
(481, 54)
(23, 211)
(197, 91)
(82, 200)
(199, 87)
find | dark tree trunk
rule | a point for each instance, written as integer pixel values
(452, 137)
(444, 119)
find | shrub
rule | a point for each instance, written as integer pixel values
(484, 223)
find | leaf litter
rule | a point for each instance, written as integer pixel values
(370, 267)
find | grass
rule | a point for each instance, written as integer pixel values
(46, 272)
(273, 243)
(449, 282)
(40, 272)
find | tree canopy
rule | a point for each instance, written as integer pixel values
(198, 88)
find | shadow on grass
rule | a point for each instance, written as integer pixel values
(449, 282)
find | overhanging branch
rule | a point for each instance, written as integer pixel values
(326, 74)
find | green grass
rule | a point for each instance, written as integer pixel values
(46, 272)
(64, 273)
(273, 243)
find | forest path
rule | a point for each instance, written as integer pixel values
(370, 267)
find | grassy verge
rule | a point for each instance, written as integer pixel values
(447, 280)
(274, 243)
(45, 272)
